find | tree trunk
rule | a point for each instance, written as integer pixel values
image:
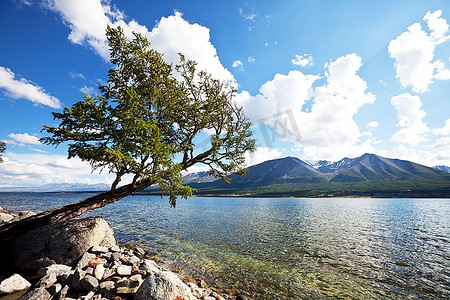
(67, 212)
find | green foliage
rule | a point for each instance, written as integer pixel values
(144, 121)
(2, 149)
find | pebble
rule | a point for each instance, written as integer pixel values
(124, 270)
(103, 273)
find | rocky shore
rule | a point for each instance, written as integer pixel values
(80, 259)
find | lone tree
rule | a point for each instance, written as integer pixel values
(2, 149)
(143, 124)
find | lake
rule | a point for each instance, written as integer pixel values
(286, 248)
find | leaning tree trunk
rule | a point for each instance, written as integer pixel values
(67, 212)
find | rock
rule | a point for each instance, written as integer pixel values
(203, 284)
(196, 291)
(63, 242)
(135, 270)
(98, 249)
(124, 270)
(149, 266)
(134, 260)
(62, 293)
(115, 256)
(85, 259)
(89, 296)
(106, 255)
(99, 272)
(57, 269)
(107, 286)
(89, 270)
(97, 297)
(89, 282)
(23, 215)
(115, 248)
(47, 281)
(76, 280)
(108, 273)
(37, 294)
(96, 261)
(130, 285)
(14, 284)
(140, 251)
(5, 217)
(163, 286)
(54, 289)
(40, 263)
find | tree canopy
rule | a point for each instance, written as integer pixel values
(2, 149)
(146, 119)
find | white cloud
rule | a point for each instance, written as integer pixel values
(304, 60)
(76, 75)
(38, 169)
(250, 59)
(238, 64)
(445, 130)
(88, 19)
(24, 89)
(327, 130)
(24, 138)
(410, 114)
(90, 91)
(261, 154)
(434, 157)
(442, 142)
(248, 16)
(413, 52)
(372, 126)
(437, 26)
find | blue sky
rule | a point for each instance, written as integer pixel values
(318, 79)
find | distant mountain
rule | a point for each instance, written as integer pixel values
(325, 166)
(61, 187)
(367, 175)
(198, 177)
(442, 168)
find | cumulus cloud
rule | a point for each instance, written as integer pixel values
(88, 19)
(323, 115)
(442, 142)
(261, 154)
(37, 169)
(250, 59)
(24, 89)
(238, 64)
(372, 126)
(413, 52)
(430, 157)
(445, 130)
(304, 60)
(24, 138)
(410, 119)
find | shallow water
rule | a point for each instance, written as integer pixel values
(284, 248)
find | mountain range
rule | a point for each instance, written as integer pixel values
(367, 175)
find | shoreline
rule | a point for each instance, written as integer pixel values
(144, 263)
